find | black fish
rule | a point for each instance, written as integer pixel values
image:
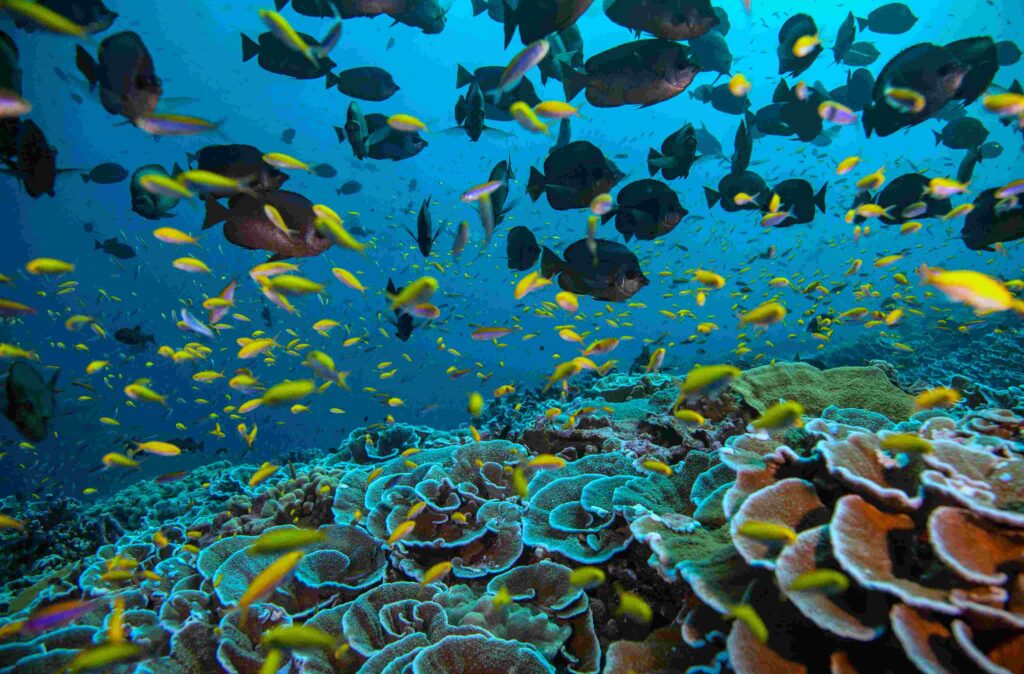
(384, 142)
(611, 273)
(350, 187)
(368, 83)
(712, 53)
(992, 222)
(856, 93)
(114, 247)
(796, 26)
(403, 322)
(905, 190)
(678, 154)
(324, 171)
(521, 248)
(861, 54)
(240, 162)
(672, 19)
(123, 69)
(707, 144)
(743, 148)
(134, 336)
(10, 79)
(278, 58)
(844, 38)
(538, 18)
(962, 134)
(768, 121)
(894, 18)
(108, 173)
(470, 112)
(502, 172)
(287, 136)
(721, 99)
(487, 78)
(801, 116)
(643, 72)
(355, 130)
(965, 172)
(31, 400)
(425, 235)
(646, 209)
(1007, 52)
(990, 150)
(247, 226)
(576, 173)
(390, 44)
(731, 185)
(93, 15)
(35, 162)
(798, 198)
(89, 227)
(148, 205)
(566, 49)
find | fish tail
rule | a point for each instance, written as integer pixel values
(653, 168)
(862, 23)
(550, 263)
(463, 77)
(819, 198)
(711, 196)
(249, 48)
(535, 186)
(573, 81)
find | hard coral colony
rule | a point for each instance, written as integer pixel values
(841, 490)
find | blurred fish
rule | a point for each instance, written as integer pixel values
(124, 72)
(844, 38)
(891, 19)
(276, 57)
(324, 171)
(384, 142)
(861, 54)
(287, 136)
(247, 225)
(566, 51)
(93, 15)
(120, 250)
(403, 321)
(575, 174)
(425, 235)
(794, 29)
(962, 134)
(368, 83)
(646, 209)
(134, 336)
(34, 162)
(538, 18)
(992, 222)
(644, 72)
(147, 204)
(242, 163)
(712, 53)
(672, 19)
(31, 400)
(487, 79)
(350, 187)
(1007, 52)
(107, 173)
(612, 273)
(521, 248)
(355, 131)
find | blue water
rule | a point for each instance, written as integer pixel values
(196, 50)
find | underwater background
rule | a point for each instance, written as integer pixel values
(914, 506)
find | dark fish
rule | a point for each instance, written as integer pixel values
(350, 187)
(894, 18)
(856, 93)
(324, 171)
(965, 172)
(89, 227)
(425, 235)
(992, 222)
(390, 44)
(904, 191)
(502, 172)
(982, 58)
(798, 198)
(470, 112)
(721, 99)
(678, 154)
(743, 148)
(368, 83)
(148, 205)
(962, 134)
(861, 54)
(240, 162)
(93, 15)
(31, 400)
(287, 136)
(642, 73)
(384, 142)
(427, 15)
(356, 131)
(707, 144)
(521, 248)
(844, 38)
(1007, 52)
(732, 184)
(669, 19)
(10, 79)
(611, 273)
(246, 224)
(35, 162)
(793, 29)
(108, 173)
(566, 49)
(278, 58)
(646, 209)
(487, 78)
(712, 53)
(990, 150)
(403, 322)
(768, 122)
(801, 116)
(116, 248)
(268, 319)
(575, 174)
(538, 18)
(134, 336)
(123, 69)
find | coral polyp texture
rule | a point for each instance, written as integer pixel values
(610, 535)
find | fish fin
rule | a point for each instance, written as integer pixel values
(653, 162)
(332, 80)
(339, 131)
(84, 177)
(819, 198)
(535, 187)
(190, 158)
(573, 82)
(508, 167)
(280, 4)
(609, 215)
(782, 93)
(938, 137)
(249, 48)
(497, 132)
(97, 245)
(377, 136)
(176, 170)
(510, 20)
(215, 212)
(550, 263)
(87, 66)
(409, 232)
(712, 196)
(479, 7)
(440, 228)
(463, 77)
(862, 23)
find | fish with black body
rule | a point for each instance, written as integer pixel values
(611, 273)
(721, 99)
(643, 72)
(965, 171)
(646, 209)
(276, 57)
(31, 400)
(573, 175)
(383, 142)
(894, 18)
(958, 71)
(10, 80)
(796, 27)
(35, 161)
(712, 53)
(768, 122)
(962, 134)
(743, 148)
(123, 71)
(367, 83)
(668, 19)
(801, 116)
(349, 187)
(992, 221)
(487, 79)
(427, 15)
(566, 49)
(287, 136)
(678, 154)
(238, 162)
(324, 170)
(798, 198)
(107, 173)
(403, 322)
(92, 15)
(521, 248)
(990, 150)
(134, 336)
(861, 54)
(904, 191)
(538, 18)
(707, 144)
(856, 93)
(1007, 52)
(355, 131)
(470, 112)
(501, 172)
(733, 184)
(425, 235)
(845, 36)
(147, 204)
(247, 226)
(118, 249)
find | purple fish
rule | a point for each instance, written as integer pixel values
(192, 324)
(532, 55)
(56, 615)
